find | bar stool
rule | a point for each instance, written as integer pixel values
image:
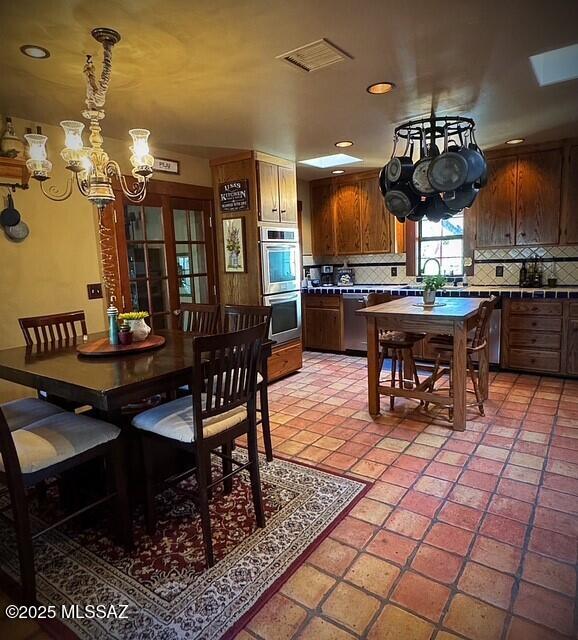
(444, 347)
(397, 345)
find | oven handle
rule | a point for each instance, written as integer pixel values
(284, 298)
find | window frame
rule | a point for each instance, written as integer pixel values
(439, 238)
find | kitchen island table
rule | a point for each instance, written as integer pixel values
(450, 316)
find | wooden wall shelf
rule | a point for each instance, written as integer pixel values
(14, 170)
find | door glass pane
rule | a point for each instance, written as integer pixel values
(139, 295)
(284, 316)
(154, 223)
(201, 290)
(199, 258)
(183, 259)
(136, 261)
(157, 261)
(186, 289)
(134, 223)
(197, 225)
(159, 295)
(180, 219)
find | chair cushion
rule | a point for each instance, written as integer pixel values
(23, 412)
(57, 438)
(175, 420)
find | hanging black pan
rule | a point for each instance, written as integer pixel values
(401, 201)
(9, 217)
(419, 180)
(437, 209)
(449, 171)
(400, 168)
(461, 198)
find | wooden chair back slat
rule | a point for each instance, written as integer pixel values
(376, 298)
(200, 319)
(225, 373)
(52, 328)
(480, 334)
(239, 317)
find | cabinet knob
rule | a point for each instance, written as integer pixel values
(523, 234)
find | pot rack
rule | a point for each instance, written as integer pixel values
(433, 128)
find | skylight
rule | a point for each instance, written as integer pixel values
(335, 160)
(558, 65)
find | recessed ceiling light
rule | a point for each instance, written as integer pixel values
(34, 51)
(344, 143)
(335, 160)
(338, 171)
(378, 88)
(515, 141)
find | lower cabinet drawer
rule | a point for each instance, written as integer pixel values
(284, 360)
(574, 309)
(535, 323)
(548, 361)
(536, 307)
(549, 341)
(322, 301)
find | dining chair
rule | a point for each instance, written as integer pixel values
(397, 345)
(58, 327)
(443, 345)
(44, 447)
(235, 318)
(200, 319)
(220, 409)
(54, 329)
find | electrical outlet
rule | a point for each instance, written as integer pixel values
(94, 291)
(393, 271)
(499, 271)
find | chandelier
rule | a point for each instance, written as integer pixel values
(90, 167)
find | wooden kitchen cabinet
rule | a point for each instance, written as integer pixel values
(539, 191)
(495, 206)
(347, 218)
(569, 226)
(322, 221)
(377, 224)
(323, 322)
(277, 193)
(287, 195)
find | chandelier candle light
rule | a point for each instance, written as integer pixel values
(91, 167)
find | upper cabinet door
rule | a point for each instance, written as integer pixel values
(322, 220)
(347, 218)
(569, 231)
(268, 192)
(377, 224)
(495, 206)
(539, 195)
(287, 195)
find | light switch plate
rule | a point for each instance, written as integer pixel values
(94, 291)
(499, 271)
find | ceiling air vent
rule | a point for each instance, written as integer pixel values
(315, 55)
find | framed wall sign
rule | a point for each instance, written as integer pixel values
(234, 196)
(164, 165)
(234, 241)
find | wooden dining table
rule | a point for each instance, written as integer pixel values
(451, 316)
(105, 383)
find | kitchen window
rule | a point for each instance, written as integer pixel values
(441, 246)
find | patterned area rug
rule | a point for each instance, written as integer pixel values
(169, 592)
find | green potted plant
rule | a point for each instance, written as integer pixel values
(136, 321)
(430, 285)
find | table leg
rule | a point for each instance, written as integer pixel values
(372, 367)
(459, 375)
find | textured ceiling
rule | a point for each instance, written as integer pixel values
(204, 78)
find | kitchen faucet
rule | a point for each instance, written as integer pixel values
(439, 264)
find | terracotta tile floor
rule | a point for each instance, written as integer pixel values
(462, 535)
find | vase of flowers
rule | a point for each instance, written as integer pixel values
(431, 284)
(233, 248)
(138, 326)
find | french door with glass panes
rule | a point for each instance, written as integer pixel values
(166, 255)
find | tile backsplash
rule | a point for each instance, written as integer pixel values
(559, 262)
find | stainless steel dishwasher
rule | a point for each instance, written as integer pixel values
(355, 327)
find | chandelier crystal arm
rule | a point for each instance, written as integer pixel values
(52, 192)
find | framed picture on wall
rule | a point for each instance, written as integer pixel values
(234, 242)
